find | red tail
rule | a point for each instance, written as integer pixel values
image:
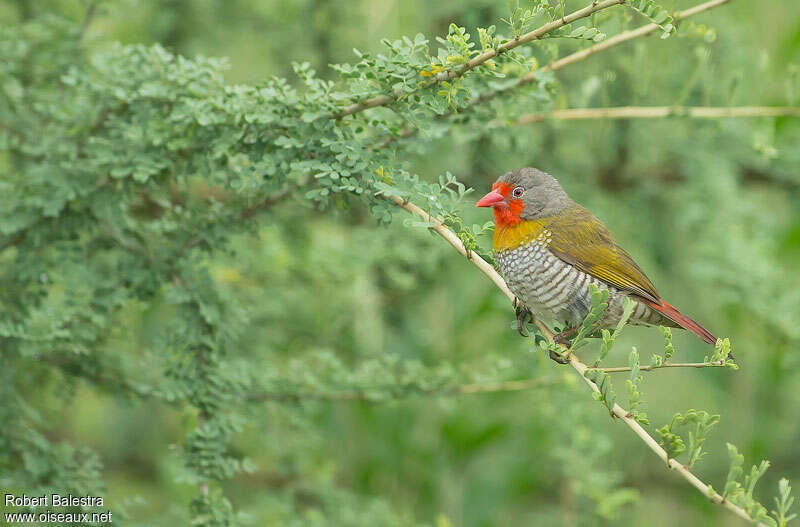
(682, 320)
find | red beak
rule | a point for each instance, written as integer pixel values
(491, 199)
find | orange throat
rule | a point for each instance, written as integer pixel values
(511, 234)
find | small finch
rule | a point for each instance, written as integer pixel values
(550, 249)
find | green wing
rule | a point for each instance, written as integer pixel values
(580, 239)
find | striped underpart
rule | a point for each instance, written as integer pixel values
(555, 290)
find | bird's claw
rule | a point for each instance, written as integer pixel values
(522, 314)
(565, 336)
(558, 357)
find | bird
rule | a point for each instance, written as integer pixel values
(550, 250)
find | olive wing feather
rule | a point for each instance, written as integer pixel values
(580, 239)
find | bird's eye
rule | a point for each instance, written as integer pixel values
(517, 192)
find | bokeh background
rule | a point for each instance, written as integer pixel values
(709, 208)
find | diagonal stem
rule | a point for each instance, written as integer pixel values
(536, 34)
(625, 416)
(577, 56)
(563, 62)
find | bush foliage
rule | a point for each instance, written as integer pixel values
(211, 313)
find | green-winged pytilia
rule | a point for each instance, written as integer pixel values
(550, 249)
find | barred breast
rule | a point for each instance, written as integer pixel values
(557, 291)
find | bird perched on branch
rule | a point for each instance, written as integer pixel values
(550, 249)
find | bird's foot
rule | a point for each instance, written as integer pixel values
(565, 336)
(563, 339)
(556, 356)
(523, 313)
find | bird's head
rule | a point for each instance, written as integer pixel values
(525, 194)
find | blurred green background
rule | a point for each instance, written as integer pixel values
(709, 208)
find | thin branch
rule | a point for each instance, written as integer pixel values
(556, 65)
(578, 56)
(269, 201)
(87, 19)
(405, 390)
(575, 363)
(536, 34)
(710, 364)
(651, 112)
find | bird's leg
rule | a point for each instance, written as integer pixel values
(562, 338)
(522, 314)
(565, 336)
(558, 357)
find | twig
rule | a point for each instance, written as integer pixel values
(87, 19)
(591, 50)
(556, 65)
(405, 390)
(268, 202)
(650, 112)
(575, 363)
(383, 100)
(651, 367)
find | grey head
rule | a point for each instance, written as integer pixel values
(539, 192)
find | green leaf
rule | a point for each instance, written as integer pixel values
(656, 14)
(599, 304)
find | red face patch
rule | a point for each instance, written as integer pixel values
(507, 213)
